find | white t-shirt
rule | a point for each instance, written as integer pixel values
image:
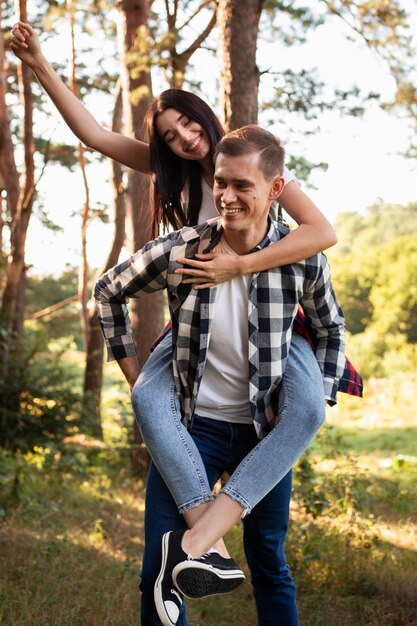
(208, 210)
(224, 389)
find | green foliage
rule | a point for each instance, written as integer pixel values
(304, 93)
(21, 472)
(380, 224)
(41, 400)
(394, 294)
(72, 512)
(375, 354)
(353, 293)
(302, 167)
(64, 154)
(374, 267)
(337, 493)
(44, 291)
(63, 504)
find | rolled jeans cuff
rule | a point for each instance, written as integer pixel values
(187, 506)
(237, 497)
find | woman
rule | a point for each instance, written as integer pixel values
(314, 232)
(183, 132)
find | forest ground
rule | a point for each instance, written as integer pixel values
(71, 536)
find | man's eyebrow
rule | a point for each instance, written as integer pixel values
(246, 181)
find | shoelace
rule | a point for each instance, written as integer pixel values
(205, 556)
(175, 593)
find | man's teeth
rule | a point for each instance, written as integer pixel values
(229, 211)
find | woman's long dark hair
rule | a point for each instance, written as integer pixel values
(171, 171)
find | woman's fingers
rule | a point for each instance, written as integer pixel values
(17, 46)
(195, 279)
(190, 263)
(199, 283)
(191, 272)
(203, 257)
(18, 37)
(24, 42)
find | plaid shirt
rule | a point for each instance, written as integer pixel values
(351, 381)
(274, 299)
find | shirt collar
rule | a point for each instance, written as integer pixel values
(275, 232)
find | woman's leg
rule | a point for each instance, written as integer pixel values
(302, 411)
(302, 414)
(161, 515)
(169, 443)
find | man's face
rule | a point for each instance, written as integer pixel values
(243, 197)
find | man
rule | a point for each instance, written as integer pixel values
(247, 180)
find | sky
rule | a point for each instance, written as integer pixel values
(363, 154)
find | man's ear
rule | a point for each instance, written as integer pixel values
(276, 187)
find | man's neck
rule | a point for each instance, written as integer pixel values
(241, 242)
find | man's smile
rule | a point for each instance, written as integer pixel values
(231, 211)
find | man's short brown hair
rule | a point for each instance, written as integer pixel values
(253, 139)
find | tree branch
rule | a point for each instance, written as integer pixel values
(54, 307)
(202, 6)
(186, 55)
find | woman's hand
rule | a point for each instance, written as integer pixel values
(25, 43)
(210, 270)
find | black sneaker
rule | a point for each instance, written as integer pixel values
(168, 599)
(210, 574)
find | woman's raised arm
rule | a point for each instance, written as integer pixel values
(314, 234)
(130, 152)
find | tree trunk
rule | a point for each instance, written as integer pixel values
(11, 314)
(83, 273)
(238, 22)
(8, 169)
(93, 376)
(9, 177)
(147, 313)
(2, 215)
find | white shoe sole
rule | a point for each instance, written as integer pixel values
(196, 580)
(157, 592)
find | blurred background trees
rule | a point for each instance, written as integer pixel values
(70, 510)
(150, 43)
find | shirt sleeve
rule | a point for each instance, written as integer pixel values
(289, 177)
(144, 272)
(325, 315)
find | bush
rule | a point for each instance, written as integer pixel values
(381, 355)
(41, 400)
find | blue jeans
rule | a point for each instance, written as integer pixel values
(222, 446)
(173, 450)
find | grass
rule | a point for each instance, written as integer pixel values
(71, 538)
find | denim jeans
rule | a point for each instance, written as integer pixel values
(222, 446)
(173, 450)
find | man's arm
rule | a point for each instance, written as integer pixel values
(325, 315)
(130, 368)
(144, 272)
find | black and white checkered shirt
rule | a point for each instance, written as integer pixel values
(274, 298)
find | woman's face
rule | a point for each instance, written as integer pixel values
(185, 137)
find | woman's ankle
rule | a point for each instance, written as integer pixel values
(193, 548)
(220, 546)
